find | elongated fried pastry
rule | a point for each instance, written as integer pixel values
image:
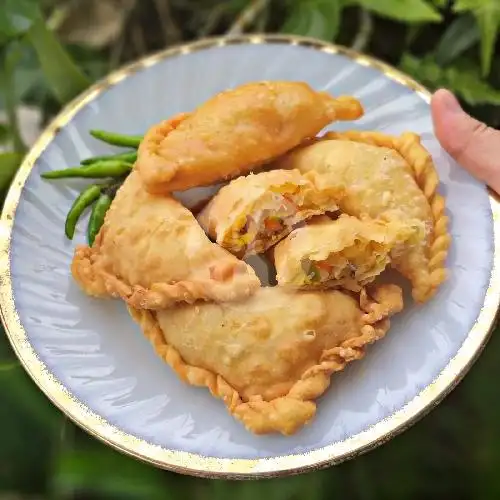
(270, 356)
(152, 253)
(385, 177)
(235, 131)
(347, 253)
(251, 213)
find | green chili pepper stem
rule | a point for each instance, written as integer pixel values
(132, 141)
(84, 200)
(130, 157)
(97, 216)
(112, 189)
(93, 171)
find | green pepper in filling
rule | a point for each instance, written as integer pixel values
(311, 271)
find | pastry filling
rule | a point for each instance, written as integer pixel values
(272, 219)
(357, 265)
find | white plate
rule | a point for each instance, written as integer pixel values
(92, 360)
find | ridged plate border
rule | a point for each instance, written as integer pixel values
(215, 467)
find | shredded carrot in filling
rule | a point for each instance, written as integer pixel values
(267, 222)
(273, 224)
(325, 266)
(360, 259)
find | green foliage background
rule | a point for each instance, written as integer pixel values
(452, 453)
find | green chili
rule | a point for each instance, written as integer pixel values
(111, 168)
(100, 209)
(97, 216)
(128, 157)
(84, 200)
(132, 141)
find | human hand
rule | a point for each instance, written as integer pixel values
(475, 146)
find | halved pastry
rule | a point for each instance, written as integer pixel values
(236, 131)
(252, 213)
(152, 253)
(389, 178)
(269, 357)
(347, 253)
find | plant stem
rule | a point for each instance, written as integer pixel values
(365, 31)
(213, 18)
(10, 60)
(171, 31)
(247, 16)
(10, 110)
(138, 40)
(64, 77)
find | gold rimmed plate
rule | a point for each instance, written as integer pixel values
(92, 361)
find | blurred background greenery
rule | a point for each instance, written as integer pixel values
(51, 50)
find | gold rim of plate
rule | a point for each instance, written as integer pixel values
(190, 463)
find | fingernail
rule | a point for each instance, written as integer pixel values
(450, 102)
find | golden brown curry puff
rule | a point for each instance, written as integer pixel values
(390, 178)
(348, 252)
(152, 253)
(251, 213)
(269, 357)
(235, 131)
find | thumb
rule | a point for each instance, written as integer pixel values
(474, 145)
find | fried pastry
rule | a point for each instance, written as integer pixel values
(388, 178)
(236, 131)
(269, 357)
(347, 253)
(152, 253)
(251, 213)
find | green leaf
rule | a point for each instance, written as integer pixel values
(5, 134)
(32, 87)
(487, 13)
(410, 11)
(25, 397)
(315, 18)
(9, 163)
(10, 57)
(462, 78)
(460, 36)
(7, 366)
(104, 472)
(28, 74)
(17, 17)
(307, 486)
(63, 75)
(32, 422)
(440, 3)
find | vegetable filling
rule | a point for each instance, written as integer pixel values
(268, 223)
(358, 263)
